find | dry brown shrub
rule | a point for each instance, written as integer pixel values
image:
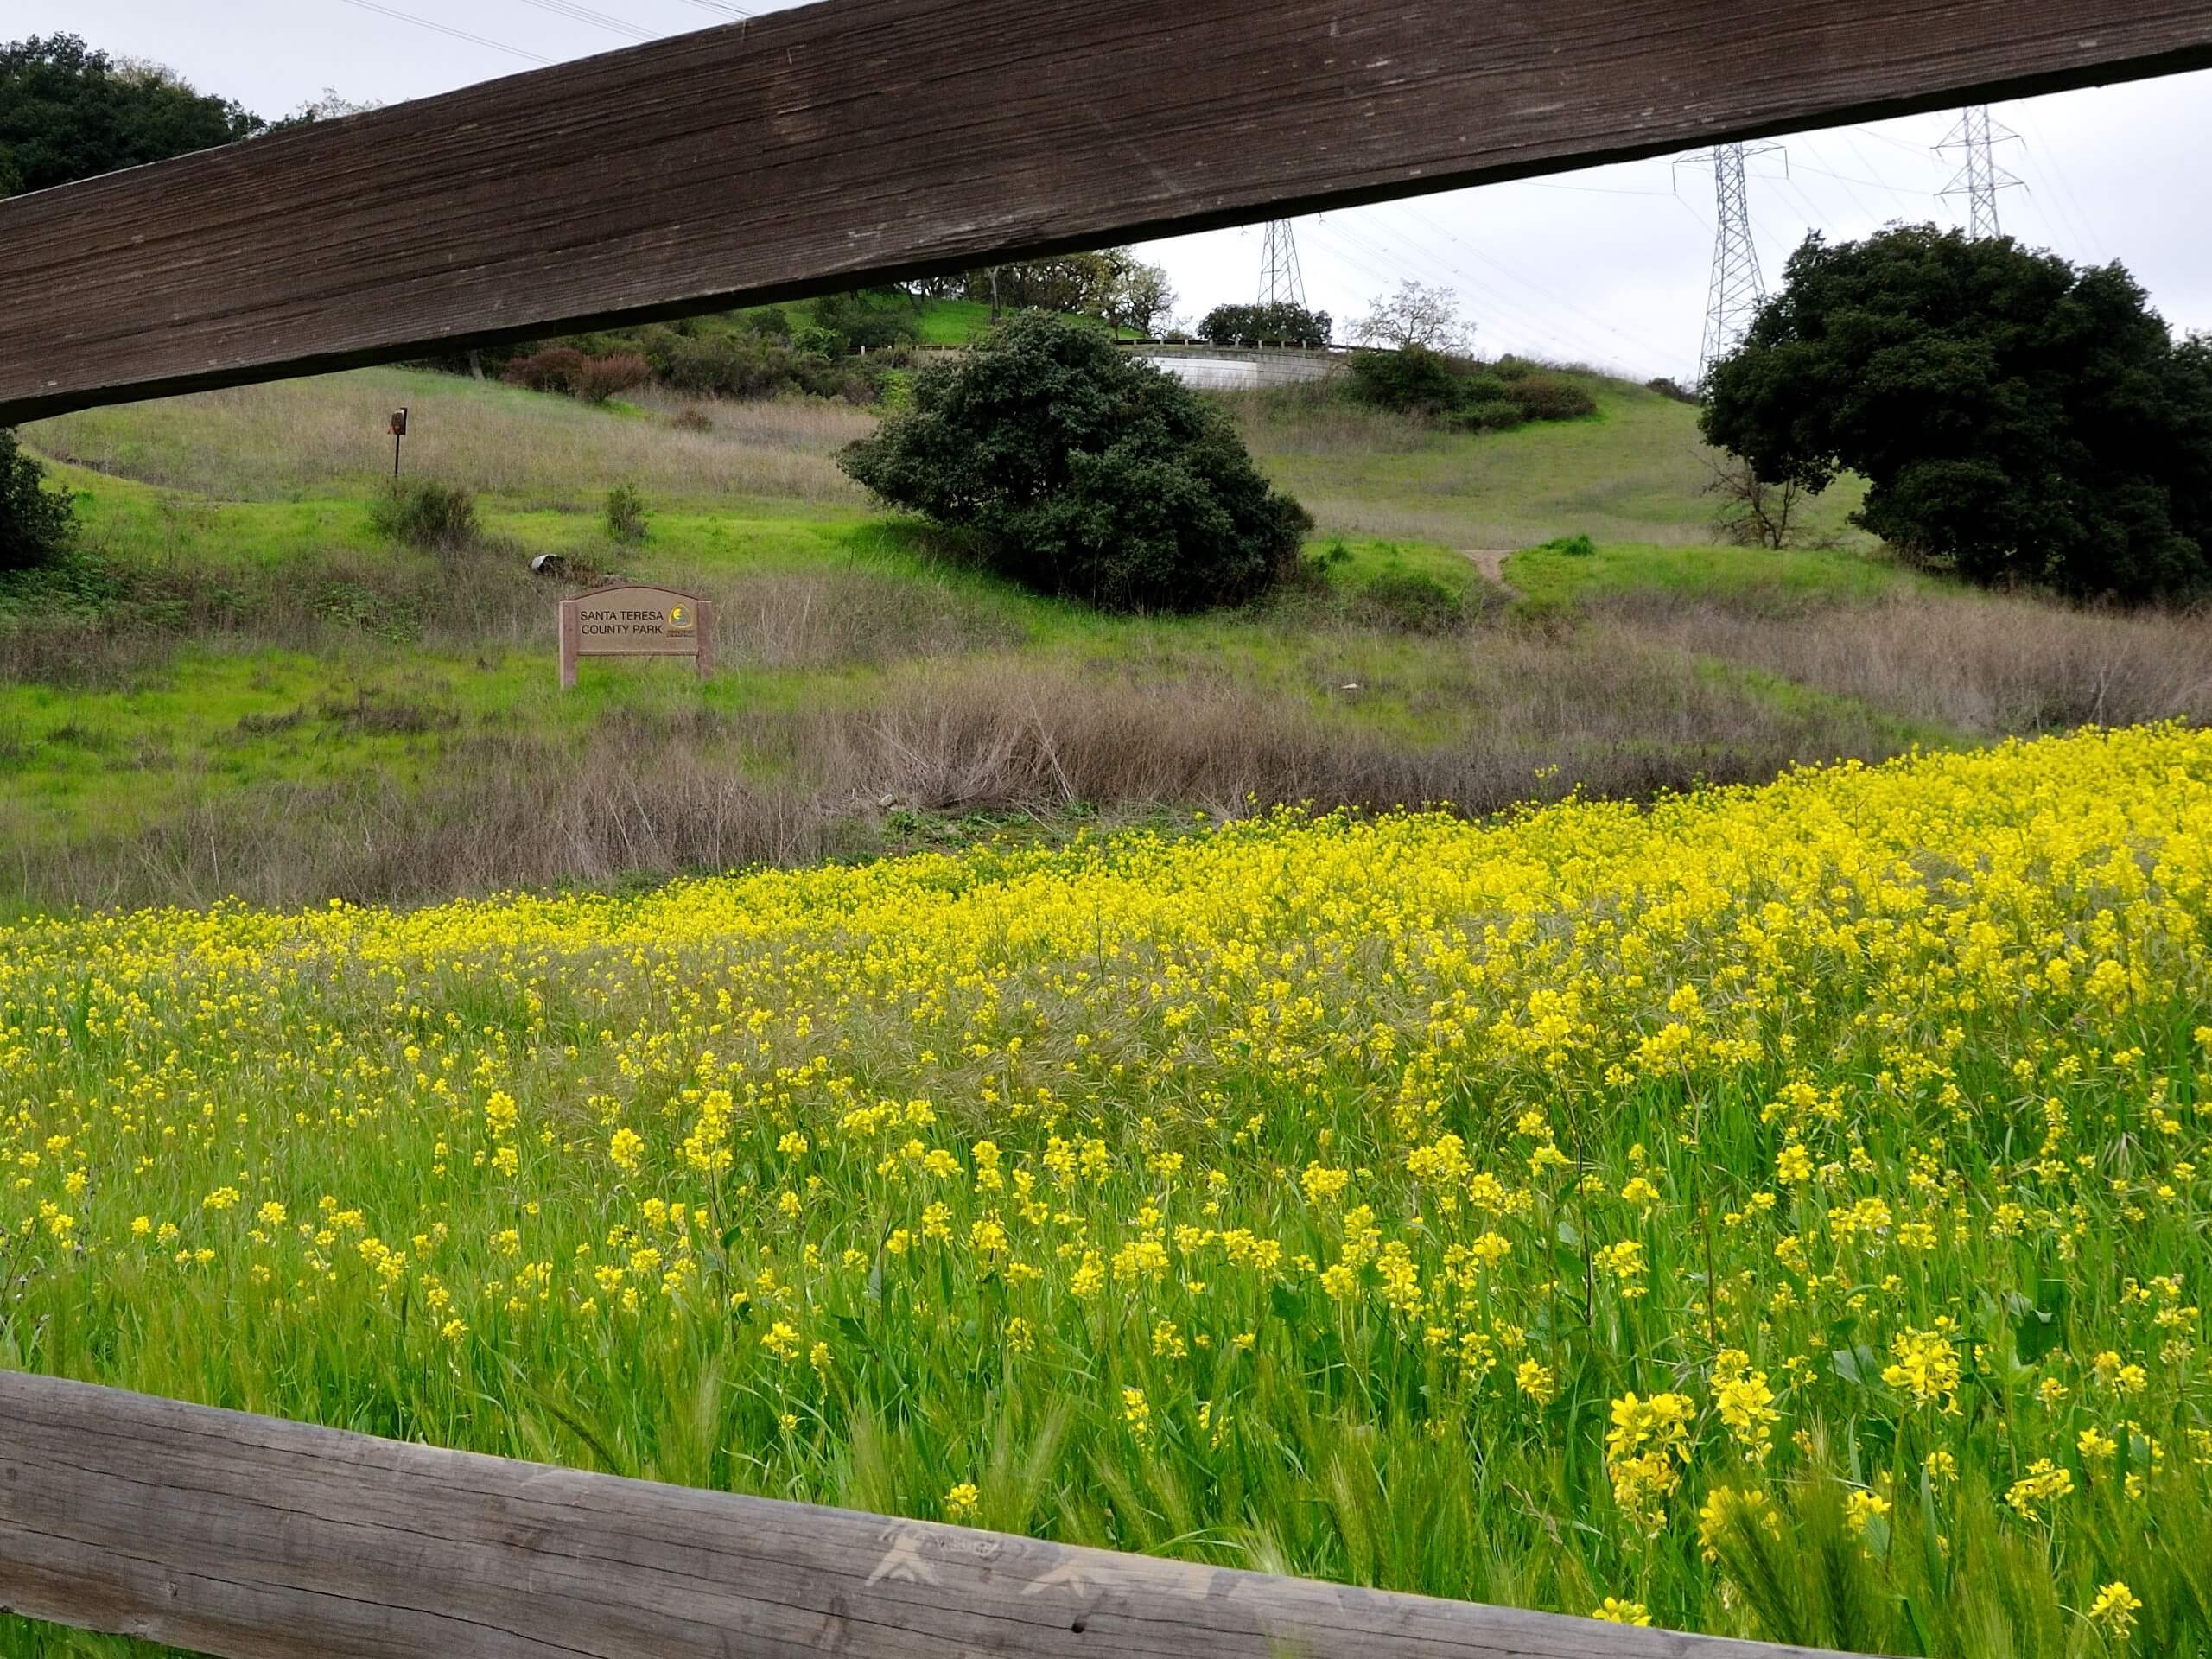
(647, 794)
(1988, 665)
(486, 603)
(782, 620)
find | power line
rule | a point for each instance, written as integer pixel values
(1813, 216)
(2047, 156)
(1911, 150)
(578, 14)
(449, 30)
(1871, 184)
(1540, 316)
(1550, 294)
(1512, 311)
(1592, 189)
(1387, 266)
(1393, 267)
(1863, 211)
(1880, 183)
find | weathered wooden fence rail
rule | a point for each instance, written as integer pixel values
(855, 141)
(250, 1538)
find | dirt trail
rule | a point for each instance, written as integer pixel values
(1490, 561)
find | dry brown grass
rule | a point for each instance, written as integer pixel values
(311, 439)
(841, 618)
(650, 794)
(484, 603)
(1985, 664)
(962, 712)
(1028, 737)
(483, 600)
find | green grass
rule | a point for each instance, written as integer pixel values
(1334, 1198)
(954, 322)
(307, 442)
(80, 759)
(1706, 572)
(1620, 1017)
(944, 323)
(1365, 564)
(240, 608)
(1632, 473)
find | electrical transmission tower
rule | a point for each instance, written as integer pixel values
(1281, 282)
(1739, 286)
(1980, 178)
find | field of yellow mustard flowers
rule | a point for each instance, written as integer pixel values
(1775, 1211)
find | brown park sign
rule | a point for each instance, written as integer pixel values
(626, 621)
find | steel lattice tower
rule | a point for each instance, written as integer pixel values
(1738, 287)
(1281, 282)
(1980, 179)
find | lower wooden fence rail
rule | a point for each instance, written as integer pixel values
(245, 1536)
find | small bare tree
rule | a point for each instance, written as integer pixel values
(1416, 316)
(1753, 512)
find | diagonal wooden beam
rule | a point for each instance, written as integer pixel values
(250, 1538)
(855, 141)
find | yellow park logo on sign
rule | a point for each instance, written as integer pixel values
(679, 618)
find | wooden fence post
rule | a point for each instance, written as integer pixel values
(251, 1538)
(733, 166)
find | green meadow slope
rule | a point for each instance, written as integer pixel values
(242, 688)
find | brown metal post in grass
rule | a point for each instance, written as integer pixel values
(636, 621)
(855, 142)
(250, 1538)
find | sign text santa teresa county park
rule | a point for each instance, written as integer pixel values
(636, 622)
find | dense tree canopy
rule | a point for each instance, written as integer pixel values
(1281, 323)
(2017, 418)
(36, 525)
(67, 112)
(868, 319)
(1112, 285)
(1083, 472)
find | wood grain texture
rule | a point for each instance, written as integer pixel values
(250, 1538)
(859, 140)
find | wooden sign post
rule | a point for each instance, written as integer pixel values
(628, 621)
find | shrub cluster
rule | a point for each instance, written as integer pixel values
(752, 355)
(1460, 392)
(1573, 547)
(1080, 471)
(593, 380)
(869, 322)
(729, 364)
(423, 513)
(37, 527)
(626, 517)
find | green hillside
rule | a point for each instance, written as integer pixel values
(241, 687)
(943, 322)
(1635, 473)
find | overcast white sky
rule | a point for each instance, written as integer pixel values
(1610, 265)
